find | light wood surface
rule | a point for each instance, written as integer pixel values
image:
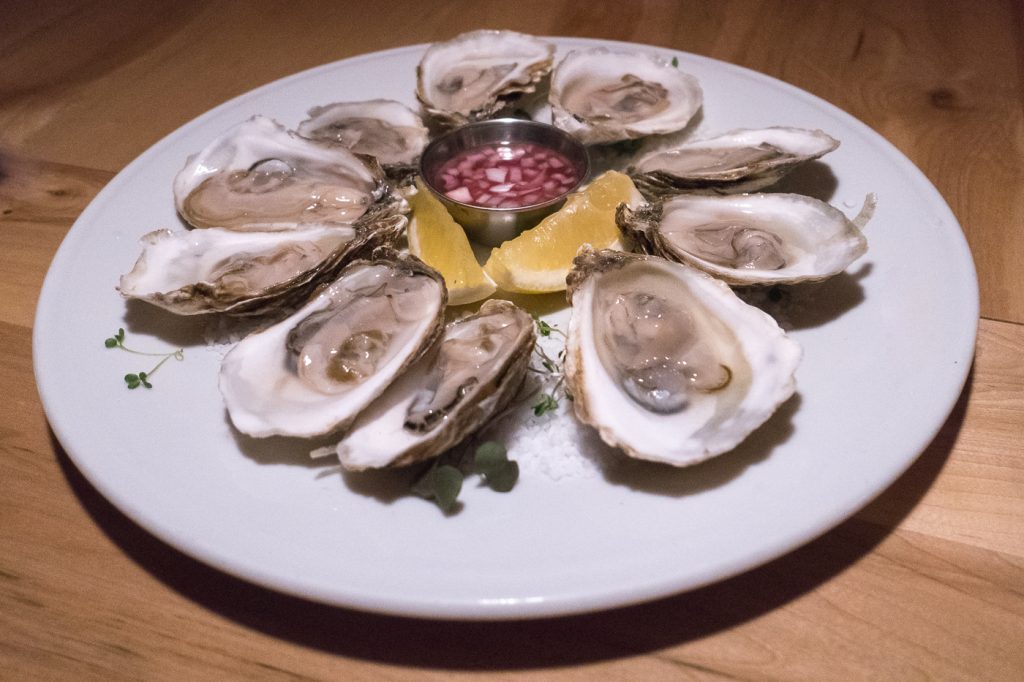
(924, 583)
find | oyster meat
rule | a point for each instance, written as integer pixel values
(470, 375)
(260, 176)
(316, 370)
(751, 238)
(666, 362)
(388, 130)
(738, 161)
(247, 273)
(601, 95)
(475, 75)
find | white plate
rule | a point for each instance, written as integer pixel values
(887, 349)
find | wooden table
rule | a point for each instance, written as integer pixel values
(926, 582)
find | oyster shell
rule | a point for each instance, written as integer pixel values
(469, 376)
(260, 176)
(388, 130)
(751, 238)
(666, 362)
(738, 161)
(475, 75)
(601, 95)
(247, 273)
(316, 370)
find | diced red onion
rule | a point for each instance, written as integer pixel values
(497, 174)
(460, 194)
(506, 175)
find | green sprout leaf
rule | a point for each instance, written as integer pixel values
(545, 329)
(490, 457)
(492, 464)
(546, 404)
(442, 484)
(447, 482)
(675, 61)
(505, 478)
(552, 370)
(142, 378)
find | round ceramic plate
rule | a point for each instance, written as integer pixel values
(582, 530)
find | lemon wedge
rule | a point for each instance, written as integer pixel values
(538, 260)
(441, 243)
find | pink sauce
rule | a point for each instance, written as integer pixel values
(506, 175)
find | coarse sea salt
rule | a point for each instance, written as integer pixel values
(554, 445)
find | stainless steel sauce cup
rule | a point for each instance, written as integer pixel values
(492, 226)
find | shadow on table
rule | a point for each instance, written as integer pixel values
(573, 640)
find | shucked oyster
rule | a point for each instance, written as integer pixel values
(259, 176)
(248, 273)
(382, 128)
(315, 371)
(477, 74)
(737, 161)
(471, 374)
(666, 362)
(751, 238)
(601, 95)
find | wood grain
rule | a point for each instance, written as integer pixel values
(887, 593)
(925, 582)
(38, 203)
(920, 73)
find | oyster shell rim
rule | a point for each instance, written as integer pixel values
(642, 227)
(259, 426)
(589, 132)
(498, 100)
(590, 262)
(657, 182)
(469, 415)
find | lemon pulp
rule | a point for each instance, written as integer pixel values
(538, 260)
(441, 243)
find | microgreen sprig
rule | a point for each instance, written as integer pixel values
(136, 379)
(442, 482)
(550, 367)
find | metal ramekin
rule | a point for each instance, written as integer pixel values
(492, 226)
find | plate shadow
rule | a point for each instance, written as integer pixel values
(810, 304)
(813, 179)
(663, 479)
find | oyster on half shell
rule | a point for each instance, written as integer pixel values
(388, 130)
(475, 75)
(248, 273)
(751, 238)
(601, 95)
(313, 372)
(470, 375)
(738, 161)
(260, 176)
(666, 362)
